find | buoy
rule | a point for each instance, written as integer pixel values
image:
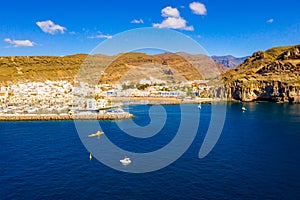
(91, 157)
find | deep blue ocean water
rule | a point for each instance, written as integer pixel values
(256, 157)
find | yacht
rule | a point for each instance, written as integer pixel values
(125, 161)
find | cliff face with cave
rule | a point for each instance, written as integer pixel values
(273, 75)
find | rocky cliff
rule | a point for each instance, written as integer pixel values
(272, 75)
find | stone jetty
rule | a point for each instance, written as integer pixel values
(46, 117)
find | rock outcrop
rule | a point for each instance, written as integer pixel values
(273, 75)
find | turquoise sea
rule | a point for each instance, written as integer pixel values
(256, 157)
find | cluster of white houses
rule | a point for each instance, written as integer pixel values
(63, 97)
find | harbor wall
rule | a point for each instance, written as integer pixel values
(44, 117)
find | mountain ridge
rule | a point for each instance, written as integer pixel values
(108, 69)
(229, 61)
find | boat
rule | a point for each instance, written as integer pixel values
(96, 134)
(244, 109)
(91, 156)
(199, 106)
(125, 161)
(116, 111)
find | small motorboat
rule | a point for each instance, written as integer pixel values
(96, 134)
(244, 109)
(199, 106)
(125, 161)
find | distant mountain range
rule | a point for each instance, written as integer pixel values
(229, 61)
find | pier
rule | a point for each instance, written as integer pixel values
(46, 117)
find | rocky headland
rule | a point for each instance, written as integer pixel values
(272, 75)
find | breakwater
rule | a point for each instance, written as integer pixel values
(42, 117)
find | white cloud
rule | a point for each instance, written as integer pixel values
(170, 12)
(173, 20)
(137, 21)
(19, 43)
(175, 23)
(100, 35)
(49, 27)
(198, 8)
(270, 21)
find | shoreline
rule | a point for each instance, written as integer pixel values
(117, 116)
(164, 100)
(172, 100)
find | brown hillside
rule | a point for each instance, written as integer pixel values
(106, 69)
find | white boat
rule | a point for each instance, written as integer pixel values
(199, 106)
(116, 111)
(125, 161)
(244, 109)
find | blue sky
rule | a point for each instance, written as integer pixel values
(222, 27)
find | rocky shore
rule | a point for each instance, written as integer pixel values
(46, 117)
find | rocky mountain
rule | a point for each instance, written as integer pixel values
(229, 61)
(272, 75)
(108, 69)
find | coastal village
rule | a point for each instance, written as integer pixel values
(64, 98)
(46, 85)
